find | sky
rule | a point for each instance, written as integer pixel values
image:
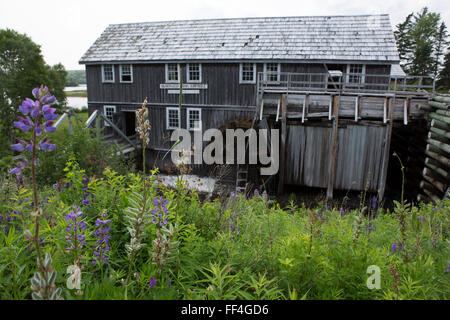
(66, 29)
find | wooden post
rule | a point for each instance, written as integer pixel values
(70, 121)
(334, 139)
(283, 144)
(386, 150)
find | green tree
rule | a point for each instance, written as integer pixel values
(22, 68)
(444, 75)
(403, 39)
(421, 41)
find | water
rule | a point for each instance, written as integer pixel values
(76, 102)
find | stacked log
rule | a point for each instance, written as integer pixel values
(436, 172)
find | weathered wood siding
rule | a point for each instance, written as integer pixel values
(359, 156)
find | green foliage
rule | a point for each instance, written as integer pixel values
(22, 69)
(234, 249)
(75, 78)
(92, 155)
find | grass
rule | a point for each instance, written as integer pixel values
(76, 93)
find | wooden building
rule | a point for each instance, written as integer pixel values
(331, 84)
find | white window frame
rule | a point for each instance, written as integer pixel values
(189, 73)
(362, 76)
(168, 126)
(278, 72)
(106, 114)
(103, 74)
(241, 74)
(178, 73)
(131, 73)
(188, 119)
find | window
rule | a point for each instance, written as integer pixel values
(126, 73)
(194, 72)
(272, 72)
(194, 119)
(172, 72)
(109, 111)
(173, 118)
(247, 73)
(355, 73)
(107, 73)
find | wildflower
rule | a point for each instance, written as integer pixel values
(75, 227)
(160, 213)
(169, 283)
(102, 248)
(266, 196)
(256, 193)
(394, 247)
(74, 280)
(233, 196)
(143, 124)
(448, 268)
(370, 228)
(43, 114)
(152, 282)
(319, 214)
(421, 218)
(137, 275)
(342, 212)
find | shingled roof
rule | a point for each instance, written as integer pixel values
(326, 38)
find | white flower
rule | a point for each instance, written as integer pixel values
(74, 280)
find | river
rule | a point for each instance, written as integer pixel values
(76, 102)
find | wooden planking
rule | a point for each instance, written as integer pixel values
(307, 155)
(360, 150)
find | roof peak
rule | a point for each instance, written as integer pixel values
(255, 18)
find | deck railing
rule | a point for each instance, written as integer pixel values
(343, 82)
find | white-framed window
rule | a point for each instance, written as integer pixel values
(107, 73)
(173, 119)
(272, 72)
(194, 72)
(355, 73)
(172, 72)
(247, 73)
(109, 111)
(194, 119)
(126, 73)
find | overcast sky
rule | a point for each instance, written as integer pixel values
(66, 29)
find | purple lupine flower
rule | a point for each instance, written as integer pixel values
(30, 108)
(400, 245)
(394, 247)
(370, 228)
(152, 282)
(256, 193)
(160, 213)
(319, 214)
(102, 247)
(169, 283)
(75, 228)
(448, 268)
(266, 196)
(342, 212)
(233, 196)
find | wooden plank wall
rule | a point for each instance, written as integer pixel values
(359, 154)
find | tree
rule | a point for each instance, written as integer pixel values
(404, 42)
(441, 44)
(22, 68)
(444, 75)
(421, 41)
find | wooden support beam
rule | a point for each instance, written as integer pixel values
(305, 105)
(118, 130)
(443, 160)
(440, 117)
(330, 108)
(440, 125)
(385, 107)
(439, 105)
(438, 137)
(283, 144)
(261, 109)
(406, 106)
(443, 146)
(278, 109)
(437, 184)
(356, 108)
(443, 99)
(386, 150)
(334, 139)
